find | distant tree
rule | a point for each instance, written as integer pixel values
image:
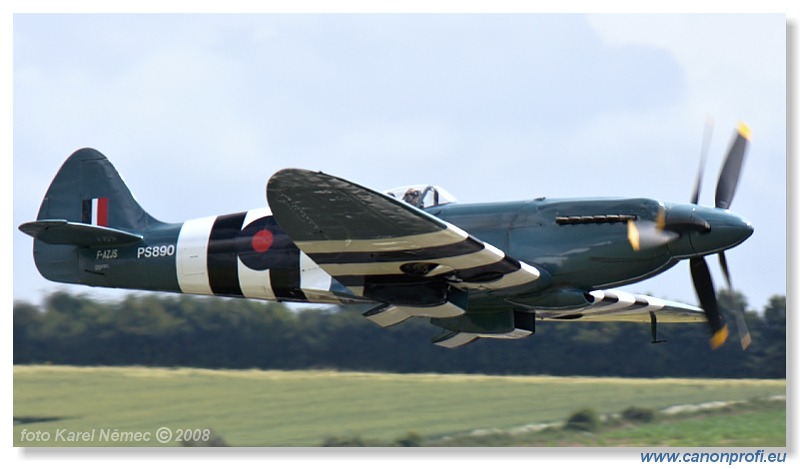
(775, 312)
(27, 323)
(212, 332)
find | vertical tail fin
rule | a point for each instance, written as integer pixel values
(86, 202)
(87, 189)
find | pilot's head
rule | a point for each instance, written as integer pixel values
(412, 196)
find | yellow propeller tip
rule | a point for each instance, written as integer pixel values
(744, 130)
(719, 338)
(633, 235)
(661, 218)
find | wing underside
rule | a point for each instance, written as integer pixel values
(619, 306)
(603, 306)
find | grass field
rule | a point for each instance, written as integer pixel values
(750, 424)
(304, 408)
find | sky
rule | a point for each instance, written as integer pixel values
(198, 111)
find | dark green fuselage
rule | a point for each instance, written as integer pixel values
(594, 253)
(573, 258)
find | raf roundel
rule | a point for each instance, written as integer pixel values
(262, 245)
(262, 241)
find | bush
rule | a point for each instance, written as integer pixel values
(584, 420)
(639, 414)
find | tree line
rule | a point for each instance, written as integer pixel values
(187, 331)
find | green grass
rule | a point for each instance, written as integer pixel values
(755, 427)
(756, 423)
(304, 408)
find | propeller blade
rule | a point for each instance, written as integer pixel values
(741, 325)
(707, 131)
(661, 218)
(633, 236)
(729, 175)
(723, 263)
(647, 234)
(704, 286)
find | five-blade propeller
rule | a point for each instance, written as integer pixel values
(645, 234)
(703, 285)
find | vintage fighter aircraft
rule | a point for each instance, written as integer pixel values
(486, 270)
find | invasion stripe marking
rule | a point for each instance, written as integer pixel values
(312, 277)
(465, 263)
(521, 275)
(640, 305)
(504, 266)
(255, 283)
(255, 214)
(467, 246)
(624, 301)
(612, 302)
(286, 283)
(525, 274)
(192, 254)
(223, 268)
(446, 237)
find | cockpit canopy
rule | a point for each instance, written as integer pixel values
(422, 196)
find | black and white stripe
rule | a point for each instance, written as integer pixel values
(386, 250)
(616, 305)
(468, 263)
(214, 256)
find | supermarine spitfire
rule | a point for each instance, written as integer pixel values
(486, 270)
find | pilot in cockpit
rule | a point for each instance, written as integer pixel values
(412, 197)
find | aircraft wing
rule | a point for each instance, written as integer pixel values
(616, 305)
(605, 306)
(381, 248)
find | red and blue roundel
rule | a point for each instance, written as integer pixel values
(262, 245)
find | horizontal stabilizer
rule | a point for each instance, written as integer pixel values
(77, 234)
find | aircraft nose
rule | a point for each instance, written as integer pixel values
(726, 230)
